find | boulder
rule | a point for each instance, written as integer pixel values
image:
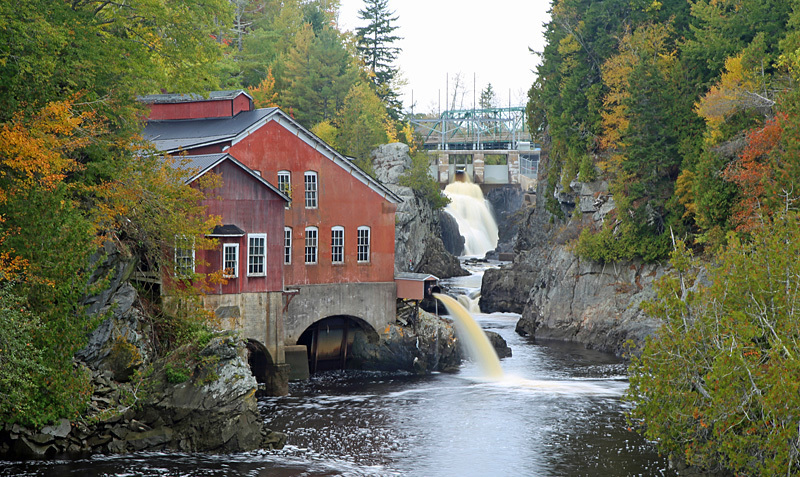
(214, 411)
(452, 239)
(438, 262)
(427, 344)
(119, 344)
(499, 344)
(390, 161)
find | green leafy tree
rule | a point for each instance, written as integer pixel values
(717, 386)
(362, 124)
(375, 44)
(418, 177)
(109, 52)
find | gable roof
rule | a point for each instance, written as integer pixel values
(199, 165)
(175, 135)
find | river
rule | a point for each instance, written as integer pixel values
(557, 412)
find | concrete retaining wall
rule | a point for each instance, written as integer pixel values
(372, 302)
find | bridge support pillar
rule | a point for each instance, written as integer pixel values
(444, 168)
(513, 167)
(478, 163)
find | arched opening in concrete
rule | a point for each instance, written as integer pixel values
(260, 361)
(330, 341)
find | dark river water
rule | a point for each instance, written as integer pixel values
(557, 412)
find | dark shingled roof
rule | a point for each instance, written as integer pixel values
(200, 164)
(227, 230)
(174, 135)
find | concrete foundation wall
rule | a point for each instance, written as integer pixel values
(371, 302)
(257, 315)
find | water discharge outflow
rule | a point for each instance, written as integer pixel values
(477, 344)
(475, 221)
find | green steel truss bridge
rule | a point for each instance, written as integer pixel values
(474, 129)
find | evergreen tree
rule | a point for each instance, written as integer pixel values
(488, 97)
(375, 44)
(318, 75)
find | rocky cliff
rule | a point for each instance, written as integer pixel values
(418, 242)
(563, 297)
(139, 402)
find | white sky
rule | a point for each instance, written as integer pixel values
(484, 41)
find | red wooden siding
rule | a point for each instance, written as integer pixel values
(200, 109)
(342, 201)
(248, 204)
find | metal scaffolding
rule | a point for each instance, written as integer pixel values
(476, 129)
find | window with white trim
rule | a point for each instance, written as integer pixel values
(184, 256)
(311, 245)
(310, 181)
(285, 184)
(337, 244)
(256, 255)
(363, 244)
(230, 260)
(287, 245)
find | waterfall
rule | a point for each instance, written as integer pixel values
(476, 343)
(475, 221)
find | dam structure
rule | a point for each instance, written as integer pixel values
(492, 146)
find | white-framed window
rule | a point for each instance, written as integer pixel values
(184, 256)
(312, 236)
(256, 255)
(285, 184)
(230, 260)
(337, 244)
(311, 187)
(363, 244)
(287, 245)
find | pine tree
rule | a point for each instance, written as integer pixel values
(375, 44)
(488, 97)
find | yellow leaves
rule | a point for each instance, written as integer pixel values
(685, 193)
(733, 92)
(265, 95)
(647, 44)
(568, 45)
(35, 152)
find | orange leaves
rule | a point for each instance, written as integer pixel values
(265, 95)
(756, 171)
(35, 152)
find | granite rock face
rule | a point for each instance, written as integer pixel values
(562, 297)
(214, 410)
(418, 243)
(590, 303)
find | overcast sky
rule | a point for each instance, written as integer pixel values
(485, 44)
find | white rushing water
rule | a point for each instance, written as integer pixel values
(475, 221)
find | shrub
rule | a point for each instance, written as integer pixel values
(718, 386)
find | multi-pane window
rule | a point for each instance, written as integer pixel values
(337, 244)
(230, 260)
(363, 244)
(184, 256)
(311, 189)
(311, 245)
(256, 255)
(285, 183)
(287, 245)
